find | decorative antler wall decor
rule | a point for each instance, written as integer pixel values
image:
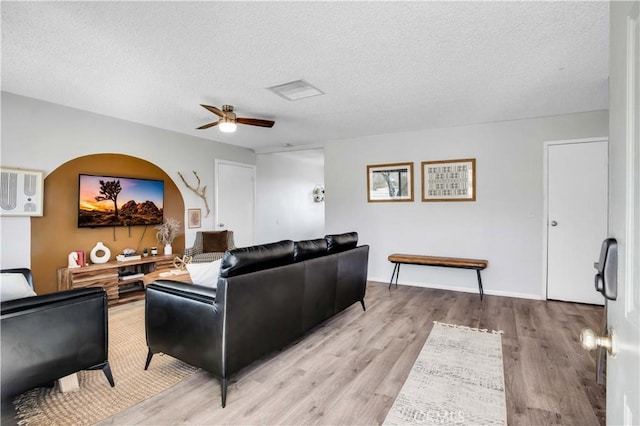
(199, 192)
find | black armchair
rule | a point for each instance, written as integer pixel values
(198, 252)
(51, 336)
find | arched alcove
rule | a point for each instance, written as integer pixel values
(56, 234)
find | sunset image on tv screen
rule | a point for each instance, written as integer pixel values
(118, 201)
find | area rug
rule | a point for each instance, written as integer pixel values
(96, 400)
(458, 378)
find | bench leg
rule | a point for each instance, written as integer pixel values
(480, 284)
(396, 272)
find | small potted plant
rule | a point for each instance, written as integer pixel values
(167, 232)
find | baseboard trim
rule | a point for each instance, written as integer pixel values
(464, 289)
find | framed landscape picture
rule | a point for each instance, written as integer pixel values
(449, 180)
(390, 182)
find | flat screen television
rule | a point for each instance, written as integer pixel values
(119, 201)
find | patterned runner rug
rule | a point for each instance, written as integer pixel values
(458, 378)
(96, 400)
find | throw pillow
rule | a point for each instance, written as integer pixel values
(215, 241)
(14, 286)
(205, 274)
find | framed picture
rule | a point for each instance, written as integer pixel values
(450, 180)
(195, 218)
(390, 182)
(21, 192)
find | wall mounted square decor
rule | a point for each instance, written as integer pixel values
(449, 180)
(21, 192)
(390, 182)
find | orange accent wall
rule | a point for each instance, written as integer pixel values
(56, 234)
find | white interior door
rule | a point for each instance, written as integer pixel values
(577, 218)
(623, 314)
(235, 200)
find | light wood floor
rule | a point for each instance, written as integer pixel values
(350, 369)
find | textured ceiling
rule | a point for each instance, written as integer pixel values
(385, 66)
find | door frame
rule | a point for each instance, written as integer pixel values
(217, 204)
(545, 203)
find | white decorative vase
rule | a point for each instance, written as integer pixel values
(96, 258)
(168, 249)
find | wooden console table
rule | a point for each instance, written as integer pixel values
(447, 262)
(115, 277)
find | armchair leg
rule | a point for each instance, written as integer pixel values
(149, 356)
(106, 369)
(362, 303)
(223, 385)
(107, 372)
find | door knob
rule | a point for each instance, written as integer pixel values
(590, 340)
(554, 223)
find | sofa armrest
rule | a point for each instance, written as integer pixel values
(351, 284)
(189, 291)
(186, 322)
(44, 300)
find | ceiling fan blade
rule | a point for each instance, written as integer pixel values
(213, 109)
(255, 122)
(206, 126)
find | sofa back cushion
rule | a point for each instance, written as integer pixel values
(255, 258)
(309, 249)
(337, 243)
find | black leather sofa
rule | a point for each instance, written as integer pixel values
(267, 296)
(44, 338)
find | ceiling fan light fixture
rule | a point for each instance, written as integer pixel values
(227, 126)
(228, 121)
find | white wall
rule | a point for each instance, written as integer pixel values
(42, 136)
(503, 226)
(284, 198)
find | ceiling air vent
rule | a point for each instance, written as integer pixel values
(296, 90)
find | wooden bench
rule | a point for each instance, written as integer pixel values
(447, 262)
